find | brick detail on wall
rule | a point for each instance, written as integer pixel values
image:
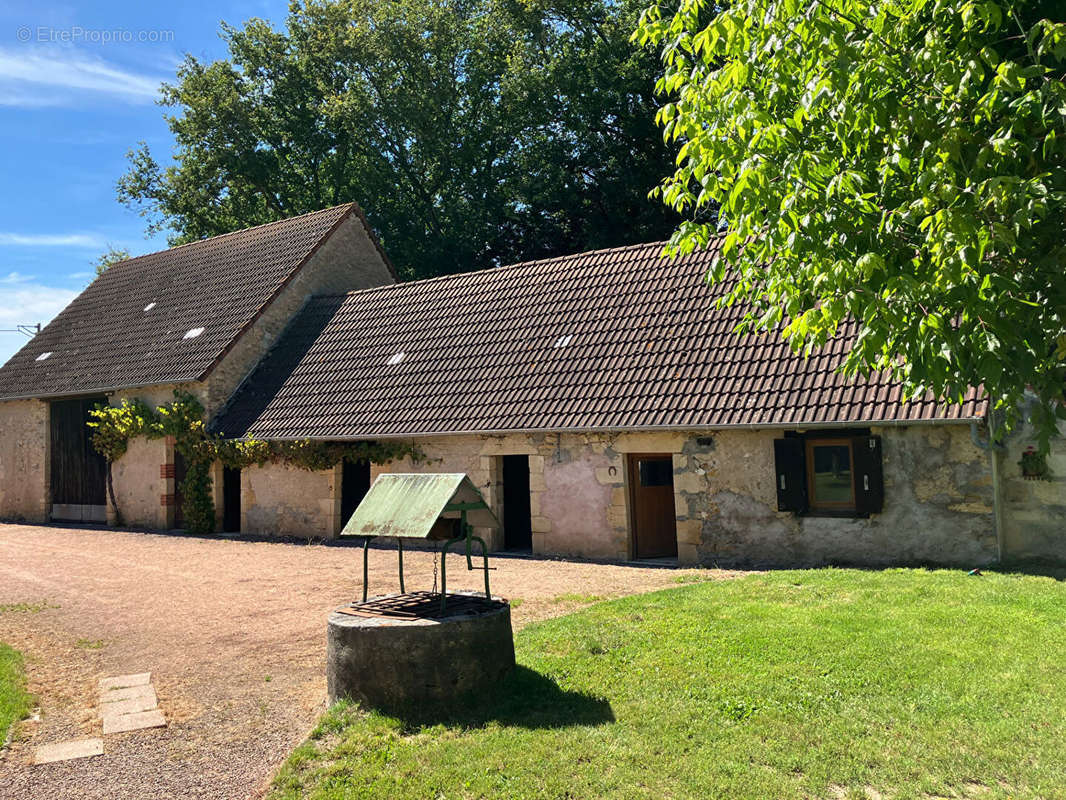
(166, 471)
(166, 500)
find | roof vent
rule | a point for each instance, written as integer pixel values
(563, 341)
(397, 358)
(43, 356)
(150, 306)
(193, 333)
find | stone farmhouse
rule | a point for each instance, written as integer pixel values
(600, 401)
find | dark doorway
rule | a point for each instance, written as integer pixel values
(180, 471)
(231, 500)
(355, 483)
(517, 526)
(651, 481)
(78, 472)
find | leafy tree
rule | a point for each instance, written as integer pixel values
(899, 165)
(472, 132)
(109, 258)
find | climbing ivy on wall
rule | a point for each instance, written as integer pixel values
(114, 427)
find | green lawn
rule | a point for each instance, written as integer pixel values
(803, 684)
(14, 702)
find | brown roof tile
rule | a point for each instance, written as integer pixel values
(128, 327)
(487, 351)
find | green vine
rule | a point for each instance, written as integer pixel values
(114, 427)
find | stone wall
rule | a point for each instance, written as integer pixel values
(577, 484)
(939, 497)
(143, 477)
(280, 500)
(347, 261)
(1033, 510)
(144, 485)
(940, 493)
(24, 461)
(939, 504)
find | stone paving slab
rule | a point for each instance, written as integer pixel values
(131, 706)
(65, 751)
(129, 693)
(120, 723)
(124, 681)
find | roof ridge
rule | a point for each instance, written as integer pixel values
(218, 236)
(500, 268)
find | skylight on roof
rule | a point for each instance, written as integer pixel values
(193, 333)
(150, 306)
(397, 358)
(43, 356)
(563, 341)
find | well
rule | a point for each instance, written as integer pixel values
(413, 648)
(394, 661)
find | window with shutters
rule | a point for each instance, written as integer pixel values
(829, 472)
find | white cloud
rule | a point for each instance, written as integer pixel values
(25, 303)
(31, 78)
(51, 240)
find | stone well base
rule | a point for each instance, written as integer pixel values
(382, 662)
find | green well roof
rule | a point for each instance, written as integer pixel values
(408, 505)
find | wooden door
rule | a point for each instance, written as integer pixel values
(651, 481)
(78, 473)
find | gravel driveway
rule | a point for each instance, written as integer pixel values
(233, 633)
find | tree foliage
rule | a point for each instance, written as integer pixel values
(897, 163)
(108, 259)
(472, 132)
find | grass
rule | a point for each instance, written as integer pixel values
(14, 702)
(803, 684)
(26, 608)
(572, 598)
(90, 644)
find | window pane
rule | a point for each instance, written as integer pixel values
(658, 472)
(832, 473)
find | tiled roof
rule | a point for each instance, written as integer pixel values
(613, 339)
(136, 324)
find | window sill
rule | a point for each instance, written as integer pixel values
(833, 513)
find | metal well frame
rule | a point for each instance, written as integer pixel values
(467, 536)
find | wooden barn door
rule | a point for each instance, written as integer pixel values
(78, 472)
(651, 481)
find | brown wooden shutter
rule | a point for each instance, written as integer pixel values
(869, 479)
(791, 475)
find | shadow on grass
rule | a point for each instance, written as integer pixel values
(1039, 567)
(524, 699)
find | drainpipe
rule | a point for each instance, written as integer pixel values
(996, 449)
(997, 501)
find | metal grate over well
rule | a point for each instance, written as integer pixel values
(422, 605)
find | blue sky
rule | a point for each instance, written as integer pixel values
(71, 104)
